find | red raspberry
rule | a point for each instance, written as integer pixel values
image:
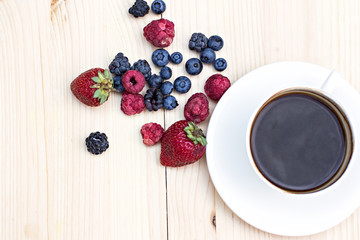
(197, 108)
(133, 81)
(216, 86)
(132, 103)
(151, 133)
(160, 32)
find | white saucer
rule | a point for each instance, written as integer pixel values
(238, 184)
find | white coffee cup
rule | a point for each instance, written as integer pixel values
(275, 178)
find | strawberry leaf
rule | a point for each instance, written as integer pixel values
(97, 93)
(103, 98)
(96, 79)
(95, 86)
(195, 134)
(107, 74)
(203, 141)
(101, 76)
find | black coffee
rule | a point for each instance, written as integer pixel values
(297, 142)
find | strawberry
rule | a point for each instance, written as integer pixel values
(183, 143)
(93, 86)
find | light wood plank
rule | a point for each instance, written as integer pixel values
(23, 155)
(122, 192)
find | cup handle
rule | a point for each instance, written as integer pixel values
(333, 82)
(336, 85)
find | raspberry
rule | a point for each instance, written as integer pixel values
(151, 133)
(132, 103)
(216, 86)
(197, 108)
(160, 32)
(133, 81)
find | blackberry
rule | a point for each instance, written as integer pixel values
(193, 66)
(119, 65)
(139, 9)
(160, 57)
(182, 84)
(165, 73)
(143, 67)
(158, 6)
(117, 83)
(176, 57)
(153, 99)
(170, 102)
(198, 42)
(155, 81)
(215, 43)
(166, 88)
(220, 64)
(207, 55)
(97, 143)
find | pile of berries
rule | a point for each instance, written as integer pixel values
(183, 142)
(206, 47)
(131, 80)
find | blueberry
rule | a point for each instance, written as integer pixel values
(182, 84)
(176, 57)
(193, 66)
(215, 43)
(166, 88)
(117, 83)
(158, 6)
(155, 81)
(160, 57)
(220, 64)
(207, 55)
(170, 102)
(165, 73)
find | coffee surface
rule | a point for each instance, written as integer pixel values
(297, 142)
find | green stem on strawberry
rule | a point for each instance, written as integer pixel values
(104, 83)
(195, 134)
(112, 89)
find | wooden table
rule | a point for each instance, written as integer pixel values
(52, 188)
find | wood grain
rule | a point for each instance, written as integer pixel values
(52, 188)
